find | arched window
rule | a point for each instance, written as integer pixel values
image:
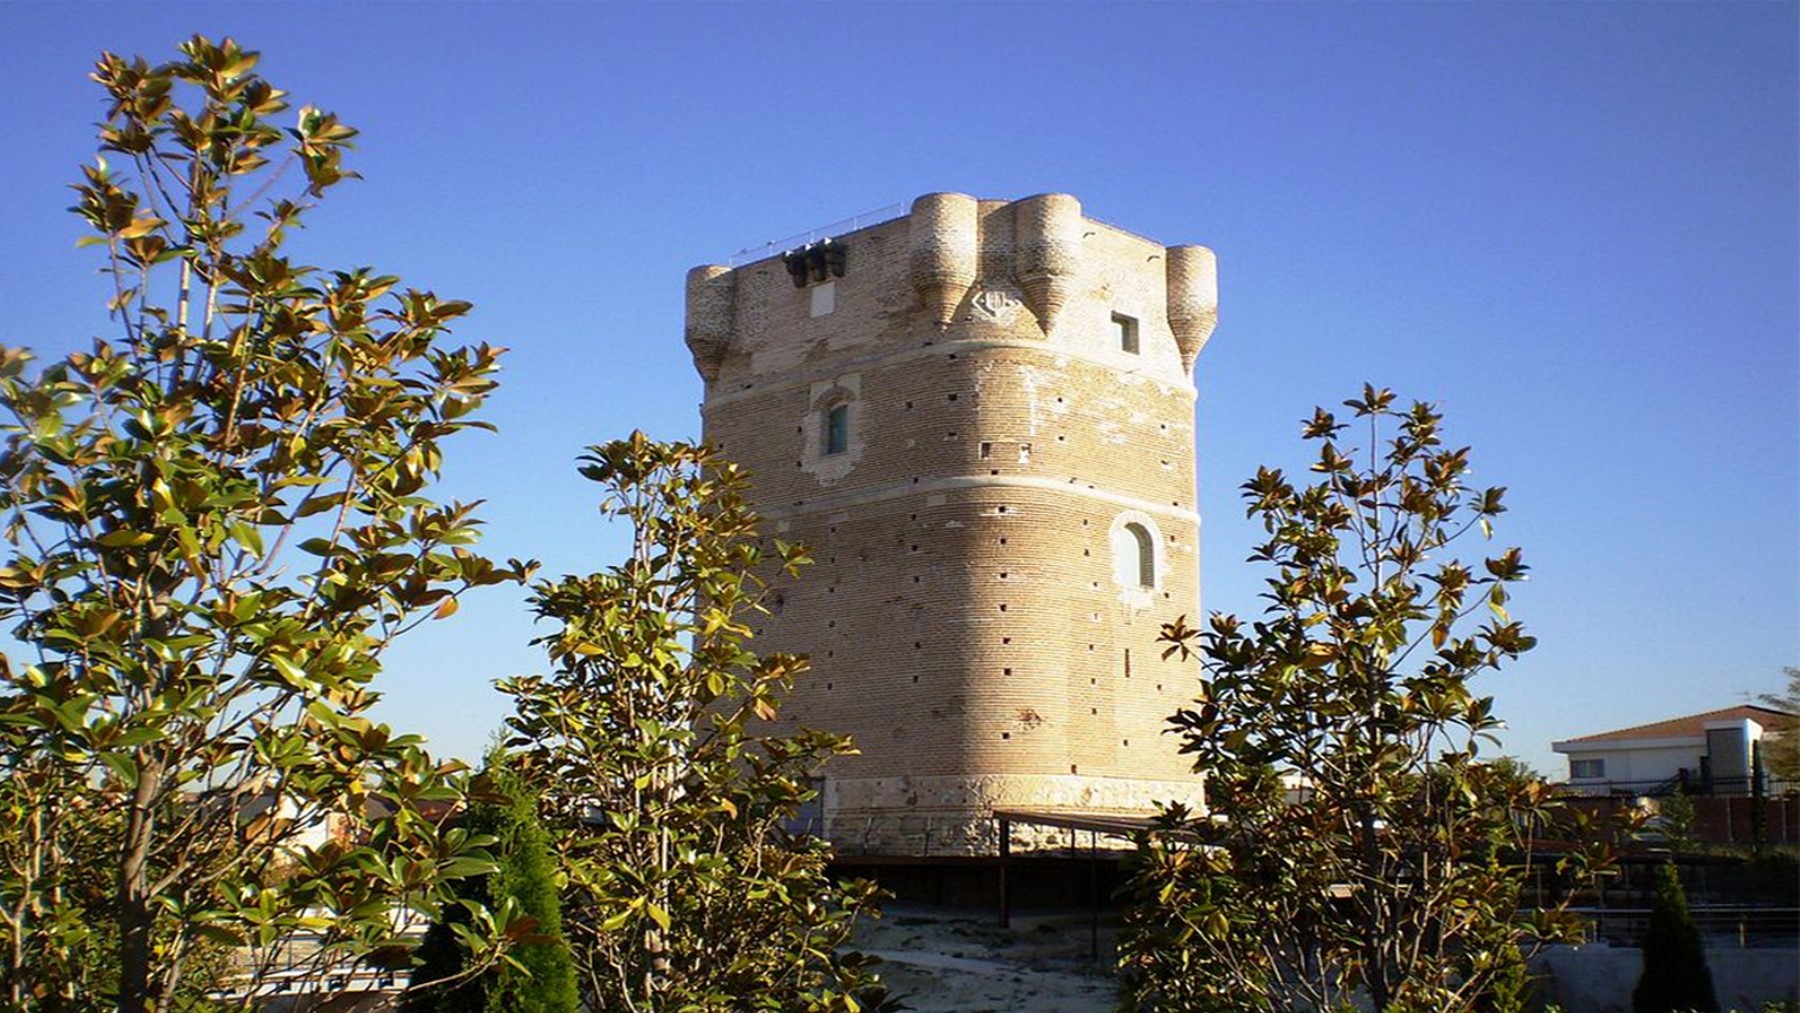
(837, 428)
(1144, 548)
(1134, 552)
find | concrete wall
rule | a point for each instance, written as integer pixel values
(1597, 978)
(1654, 763)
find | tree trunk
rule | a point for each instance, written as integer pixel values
(1375, 963)
(15, 978)
(135, 918)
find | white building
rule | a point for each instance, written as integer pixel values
(1709, 752)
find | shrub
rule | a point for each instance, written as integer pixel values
(1675, 978)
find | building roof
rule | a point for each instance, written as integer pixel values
(1690, 726)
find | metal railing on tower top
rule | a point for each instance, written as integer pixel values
(750, 254)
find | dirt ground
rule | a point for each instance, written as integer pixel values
(940, 960)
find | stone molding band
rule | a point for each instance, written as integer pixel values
(893, 492)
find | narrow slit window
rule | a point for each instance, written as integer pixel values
(837, 429)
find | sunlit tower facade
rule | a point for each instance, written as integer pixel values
(979, 418)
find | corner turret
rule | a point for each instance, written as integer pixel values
(1193, 299)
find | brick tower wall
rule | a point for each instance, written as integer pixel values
(976, 617)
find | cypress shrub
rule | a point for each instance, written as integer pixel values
(527, 875)
(544, 980)
(1675, 978)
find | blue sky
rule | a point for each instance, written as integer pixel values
(1575, 227)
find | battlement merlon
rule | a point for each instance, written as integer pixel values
(957, 264)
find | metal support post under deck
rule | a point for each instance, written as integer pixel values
(1005, 860)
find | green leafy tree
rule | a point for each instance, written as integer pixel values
(1358, 844)
(1679, 817)
(665, 791)
(1675, 978)
(1781, 751)
(216, 522)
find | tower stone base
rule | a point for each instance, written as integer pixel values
(950, 816)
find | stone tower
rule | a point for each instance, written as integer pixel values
(978, 417)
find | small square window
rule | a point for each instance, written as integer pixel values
(1127, 330)
(1585, 770)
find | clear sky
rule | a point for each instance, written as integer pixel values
(1576, 227)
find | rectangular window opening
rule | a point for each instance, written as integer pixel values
(1583, 770)
(837, 429)
(1127, 330)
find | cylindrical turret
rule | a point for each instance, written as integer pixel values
(1193, 283)
(1048, 252)
(944, 237)
(711, 294)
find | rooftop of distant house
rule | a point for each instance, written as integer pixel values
(1692, 725)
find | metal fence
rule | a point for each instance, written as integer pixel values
(1695, 785)
(1720, 926)
(296, 967)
